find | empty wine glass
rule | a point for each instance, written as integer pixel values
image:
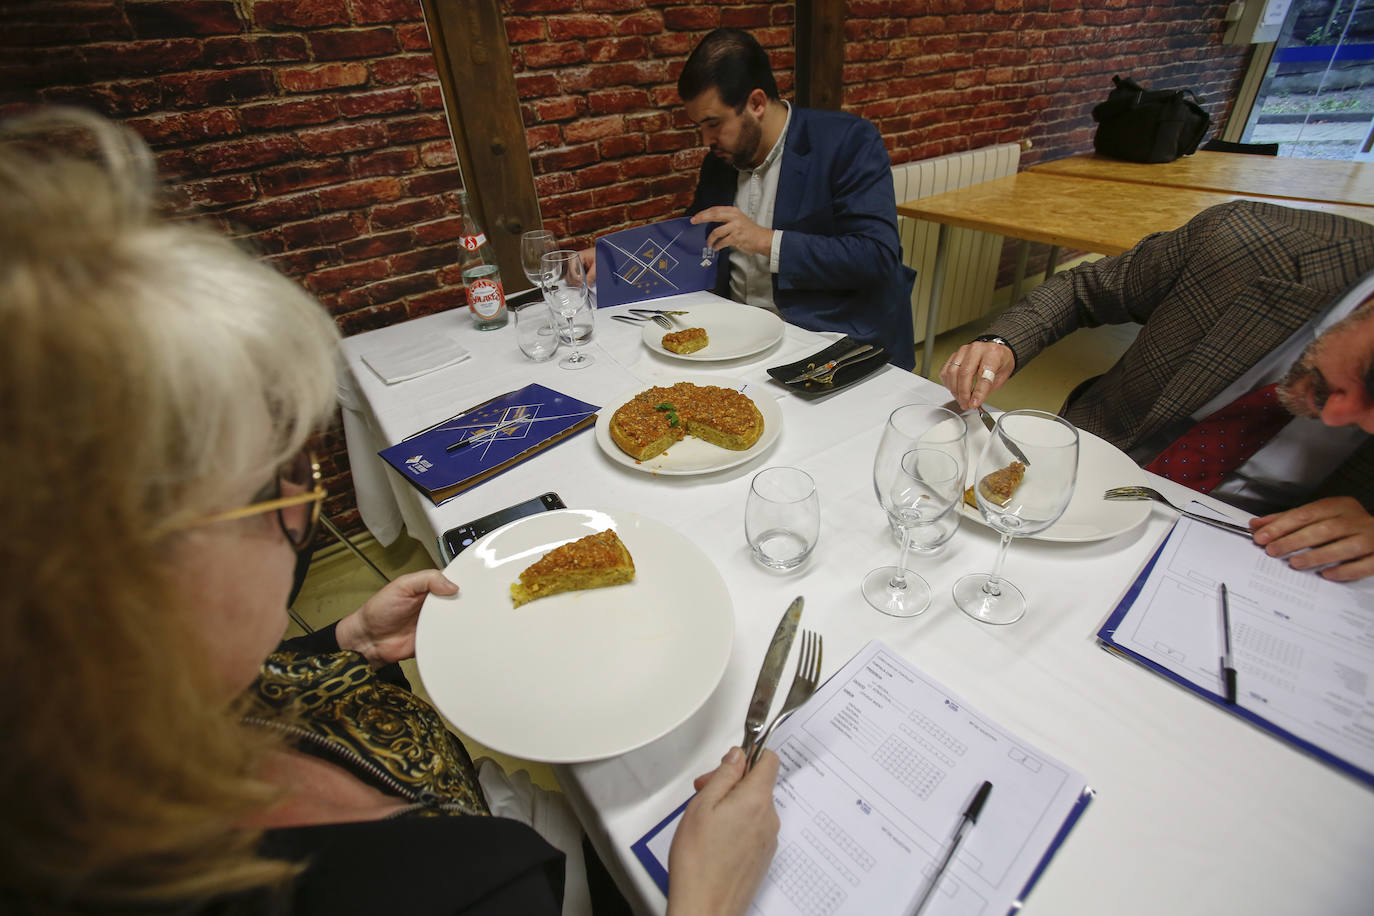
(533, 246)
(922, 489)
(1018, 499)
(565, 291)
(921, 426)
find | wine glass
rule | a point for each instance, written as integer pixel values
(565, 291)
(921, 426)
(533, 246)
(1050, 447)
(924, 488)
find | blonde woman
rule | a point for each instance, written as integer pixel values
(157, 388)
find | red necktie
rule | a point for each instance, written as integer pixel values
(1219, 444)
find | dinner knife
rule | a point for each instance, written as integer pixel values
(822, 369)
(991, 424)
(770, 674)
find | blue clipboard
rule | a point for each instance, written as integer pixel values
(659, 874)
(658, 870)
(1107, 637)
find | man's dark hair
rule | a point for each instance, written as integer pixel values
(733, 63)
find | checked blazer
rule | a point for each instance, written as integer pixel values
(1214, 297)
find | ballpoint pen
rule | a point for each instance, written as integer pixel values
(1228, 666)
(966, 821)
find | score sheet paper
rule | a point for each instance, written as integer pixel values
(1303, 646)
(877, 769)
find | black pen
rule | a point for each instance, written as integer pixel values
(966, 821)
(1228, 666)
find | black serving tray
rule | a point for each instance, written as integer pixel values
(846, 376)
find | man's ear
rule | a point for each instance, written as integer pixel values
(757, 103)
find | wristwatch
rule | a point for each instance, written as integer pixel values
(993, 338)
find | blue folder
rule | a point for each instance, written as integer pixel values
(495, 436)
(650, 262)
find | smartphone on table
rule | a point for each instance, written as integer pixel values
(455, 540)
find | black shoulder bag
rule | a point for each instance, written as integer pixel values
(1143, 125)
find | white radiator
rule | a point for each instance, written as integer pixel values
(971, 272)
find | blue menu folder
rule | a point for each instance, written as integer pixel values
(490, 438)
(661, 259)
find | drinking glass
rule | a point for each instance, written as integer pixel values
(921, 490)
(533, 246)
(1050, 445)
(535, 331)
(921, 426)
(782, 517)
(565, 291)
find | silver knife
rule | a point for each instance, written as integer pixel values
(770, 674)
(991, 424)
(826, 367)
(1242, 530)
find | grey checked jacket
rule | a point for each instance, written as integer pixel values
(1213, 296)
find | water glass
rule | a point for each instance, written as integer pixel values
(921, 426)
(782, 517)
(923, 489)
(565, 291)
(535, 331)
(533, 246)
(1020, 492)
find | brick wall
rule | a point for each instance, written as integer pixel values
(611, 147)
(315, 128)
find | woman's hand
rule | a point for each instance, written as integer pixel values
(383, 629)
(726, 839)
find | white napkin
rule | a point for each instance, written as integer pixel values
(401, 361)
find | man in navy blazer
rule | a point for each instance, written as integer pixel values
(803, 200)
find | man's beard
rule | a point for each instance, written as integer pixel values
(1303, 390)
(750, 136)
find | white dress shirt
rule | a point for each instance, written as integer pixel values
(751, 275)
(1305, 451)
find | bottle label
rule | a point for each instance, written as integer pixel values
(473, 242)
(486, 298)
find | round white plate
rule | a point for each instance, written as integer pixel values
(1088, 517)
(583, 675)
(734, 330)
(693, 455)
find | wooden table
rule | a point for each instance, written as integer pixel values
(1323, 180)
(1090, 214)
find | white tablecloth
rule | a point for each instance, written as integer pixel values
(1196, 811)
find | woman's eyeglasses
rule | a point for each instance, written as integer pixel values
(302, 473)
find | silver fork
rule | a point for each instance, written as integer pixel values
(664, 321)
(804, 683)
(1137, 492)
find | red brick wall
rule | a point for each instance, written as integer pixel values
(315, 128)
(611, 148)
